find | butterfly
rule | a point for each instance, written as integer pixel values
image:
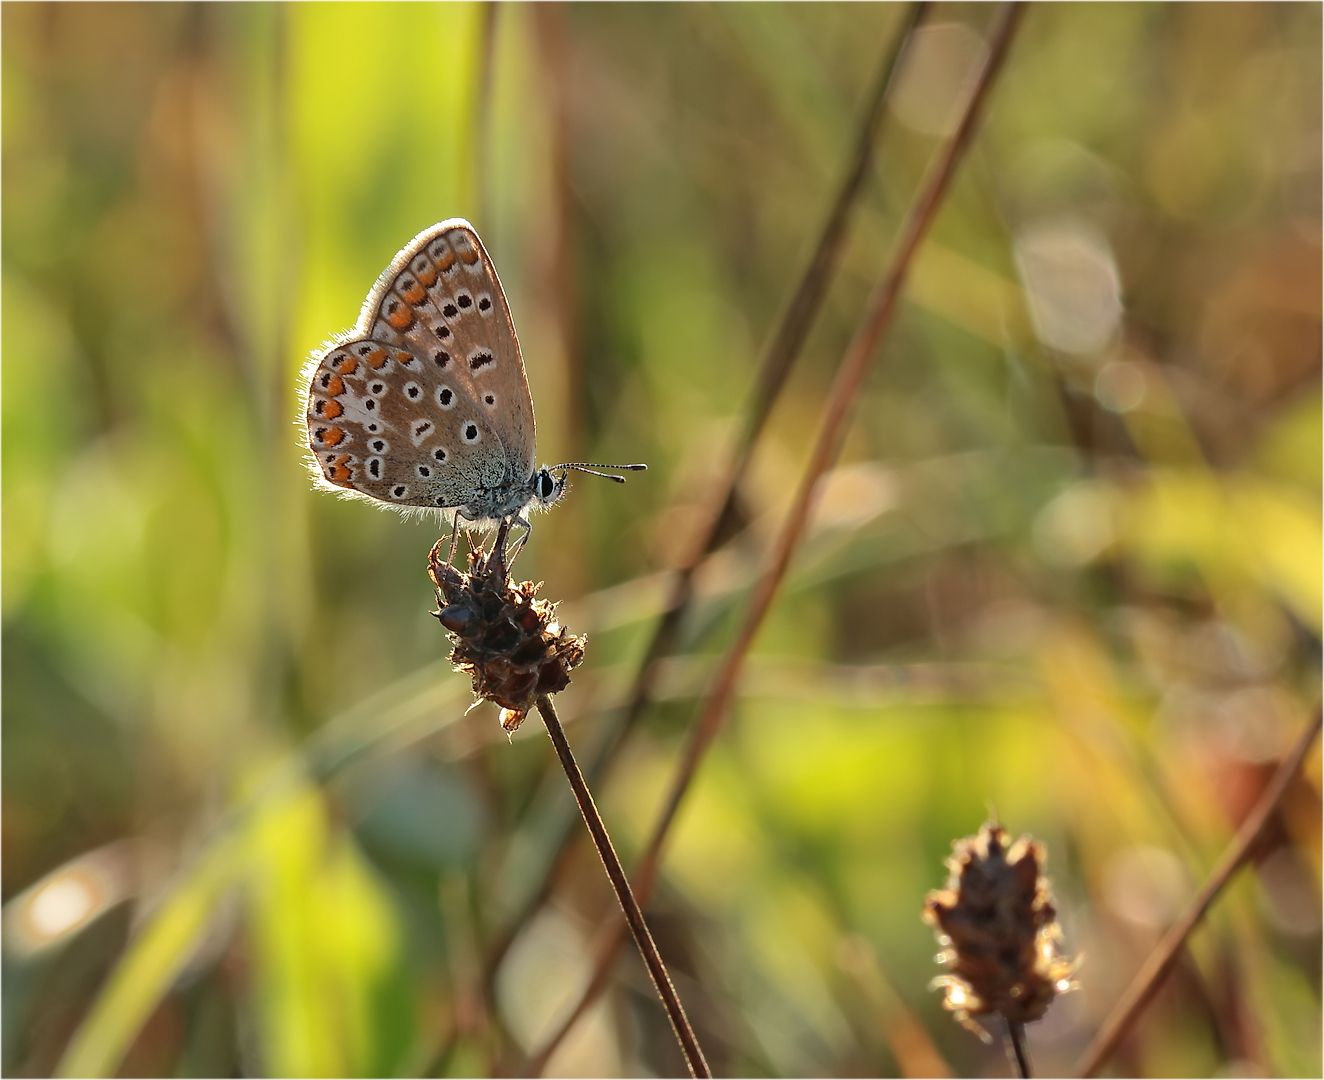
(425, 404)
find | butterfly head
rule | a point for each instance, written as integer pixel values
(547, 488)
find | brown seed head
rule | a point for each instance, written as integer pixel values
(508, 642)
(998, 926)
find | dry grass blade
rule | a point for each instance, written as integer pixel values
(776, 365)
(832, 431)
(603, 958)
(845, 391)
(911, 1045)
(1160, 962)
(808, 299)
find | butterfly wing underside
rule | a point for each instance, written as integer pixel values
(425, 403)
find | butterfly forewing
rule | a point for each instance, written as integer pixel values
(426, 402)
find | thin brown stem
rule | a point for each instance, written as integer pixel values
(808, 299)
(777, 363)
(845, 391)
(782, 352)
(774, 369)
(1020, 1053)
(689, 1044)
(910, 1043)
(1160, 962)
(603, 958)
(831, 433)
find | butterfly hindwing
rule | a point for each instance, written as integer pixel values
(373, 430)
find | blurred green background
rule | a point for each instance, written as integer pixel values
(1068, 568)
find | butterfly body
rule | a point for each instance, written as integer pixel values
(487, 507)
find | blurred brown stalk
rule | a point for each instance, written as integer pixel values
(845, 391)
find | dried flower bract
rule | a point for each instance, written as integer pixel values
(508, 642)
(998, 926)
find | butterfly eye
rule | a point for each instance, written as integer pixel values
(546, 485)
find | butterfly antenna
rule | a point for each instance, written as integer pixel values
(593, 468)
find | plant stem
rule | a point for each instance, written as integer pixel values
(689, 1044)
(845, 391)
(1155, 969)
(784, 348)
(1020, 1053)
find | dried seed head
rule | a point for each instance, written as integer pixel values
(508, 642)
(998, 926)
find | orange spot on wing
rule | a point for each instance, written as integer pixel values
(335, 387)
(332, 409)
(428, 277)
(340, 472)
(377, 358)
(399, 316)
(403, 357)
(347, 366)
(416, 293)
(333, 436)
(469, 255)
(446, 261)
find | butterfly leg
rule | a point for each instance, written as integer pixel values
(455, 537)
(524, 538)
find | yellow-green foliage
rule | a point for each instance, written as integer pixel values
(1067, 572)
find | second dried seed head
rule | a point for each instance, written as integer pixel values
(998, 925)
